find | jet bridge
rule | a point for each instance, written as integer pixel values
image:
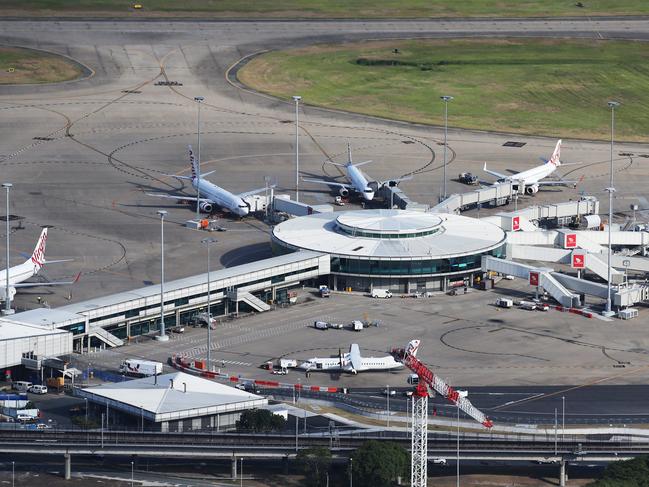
(498, 194)
(543, 275)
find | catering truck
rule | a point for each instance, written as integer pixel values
(140, 368)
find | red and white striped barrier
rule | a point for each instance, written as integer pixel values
(181, 363)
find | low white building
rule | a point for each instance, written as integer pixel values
(171, 402)
(21, 341)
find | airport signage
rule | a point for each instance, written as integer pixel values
(578, 261)
(570, 240)
(516, 223)
(534, 278)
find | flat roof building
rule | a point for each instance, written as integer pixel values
(397, 249)
(171, 402)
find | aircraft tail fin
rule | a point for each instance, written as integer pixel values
(413, 347)
(192, 161)
(38, 256)
(556, 155)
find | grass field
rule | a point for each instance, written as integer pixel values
(19, 66)
(330, 8)
(557, 88)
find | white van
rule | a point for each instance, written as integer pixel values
(413, 379)
(37, 389)
(321, 325)
(381, 293)
(504, 303)
(357, 325)
(21, 386)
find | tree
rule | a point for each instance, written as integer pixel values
(379, 463)
(629, 473)
(260, 421)
(315, 463)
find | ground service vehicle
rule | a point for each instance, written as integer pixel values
(324, 292)
(357, 325)
(467, 178)
(37, 389)
(528, 305)
(321, 325)
(504, 303)
(140, 368)
(413, 379)
(287, 363)
(381, 293)
(336, 326)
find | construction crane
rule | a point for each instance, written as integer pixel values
(419, 433)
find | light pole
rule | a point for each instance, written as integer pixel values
(297, 99)
(241, 472)
(387, 396)
(132, 465)
(7, 310)
(198, 99)
(555, 431)
(612, 105)
(86, 400)
(208, 242)
(563, 419)
(13, 474)
(162, 337)
(351, 472)
(446, 99)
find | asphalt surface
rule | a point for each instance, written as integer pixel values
(83, 154)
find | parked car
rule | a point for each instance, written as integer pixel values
(37, 389)
(389, 392)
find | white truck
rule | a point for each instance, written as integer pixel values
(504, 303)
(140, 368)
(528, 305)
(320, 325)
(287, 363)
(381, 293)
(357, 325)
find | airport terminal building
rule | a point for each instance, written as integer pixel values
(404, 251)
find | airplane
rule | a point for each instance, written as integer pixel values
(211, 194)
(533, 178)
(358, 182)
(30, 268)
(353, 362)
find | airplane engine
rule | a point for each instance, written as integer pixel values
(3, 293)
(205, 207)
(392, 184)
(344, 192)
(373, 185)
(533, 189)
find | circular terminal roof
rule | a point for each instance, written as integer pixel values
(388, 223)
(389, 234)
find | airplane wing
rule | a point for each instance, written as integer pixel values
(355, 356)
(179, 197)
(396, 180)
(53, 283)
(561, 182)
(330, 183)
(494, 173)
(254, 191)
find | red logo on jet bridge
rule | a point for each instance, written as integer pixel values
(516, 223)
(534, 278)
(570, 240)
(578, 261)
